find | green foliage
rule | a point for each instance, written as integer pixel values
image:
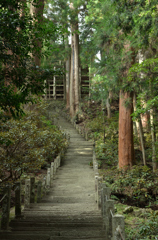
(109, 150)
(139, 183)
(19, 37)
(27, 143)
(96, 124)
(146, 230)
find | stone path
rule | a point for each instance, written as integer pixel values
(69, 212)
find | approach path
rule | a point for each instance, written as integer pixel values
(69, 211)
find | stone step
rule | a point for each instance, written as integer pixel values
(21, 225)
(25, 236)
(90, 219)
(68, 232)
(36, 236)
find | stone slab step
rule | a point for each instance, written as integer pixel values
(72, 232)
(84, 218)
(53, 225)
(13, 236)
(26, 236)
(82, 143)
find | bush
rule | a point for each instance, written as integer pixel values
(139, 185)
(146, 230)
(26, 143)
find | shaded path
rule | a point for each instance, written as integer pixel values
(69, 211)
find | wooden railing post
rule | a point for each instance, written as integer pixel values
(18, 200)
(27, 194)
(6, 208)
(107, 218)
(32, 190)
(105, 195)
(51, 173)
(54, 169)
(118, 227)
(48, 179)
(99, 185)
(43, 187)
(39, 191)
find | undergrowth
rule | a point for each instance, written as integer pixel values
(137, 187)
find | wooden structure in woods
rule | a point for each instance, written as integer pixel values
(56, 87)
(84, 82)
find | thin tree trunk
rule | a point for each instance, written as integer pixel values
(72, 79)
(76, 51)
(108, 107)
(126, 145)
(140, 133)
(154, 159)
(68, 62)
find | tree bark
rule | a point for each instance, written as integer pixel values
(140, 133)
(126, 145)
(68, 82)
(154, 159)
(72, 110)
(74, 76)
(108, 107)
(37, 11)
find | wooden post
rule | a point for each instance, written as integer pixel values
(6, 208)
(51, 173)
(48, 178)
(27, 194)
(18, 200)
(96, 186)
(39, 191)
(99, 191)
(105, 195)
(32, 190)
(54, 169)
(107, 219)
(118, 227)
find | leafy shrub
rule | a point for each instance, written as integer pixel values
(146, 230)
(139, 183)
(26, 143)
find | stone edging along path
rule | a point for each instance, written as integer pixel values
(69, 211)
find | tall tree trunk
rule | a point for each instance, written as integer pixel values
(126, 145)
(68, 69)
(74, 76)
(68, 82)
(140, 132)
(72, 110)
(76, 51)
(154, 159)
(108, 107)
(36, 9)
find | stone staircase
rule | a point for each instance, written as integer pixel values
(69, 211)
